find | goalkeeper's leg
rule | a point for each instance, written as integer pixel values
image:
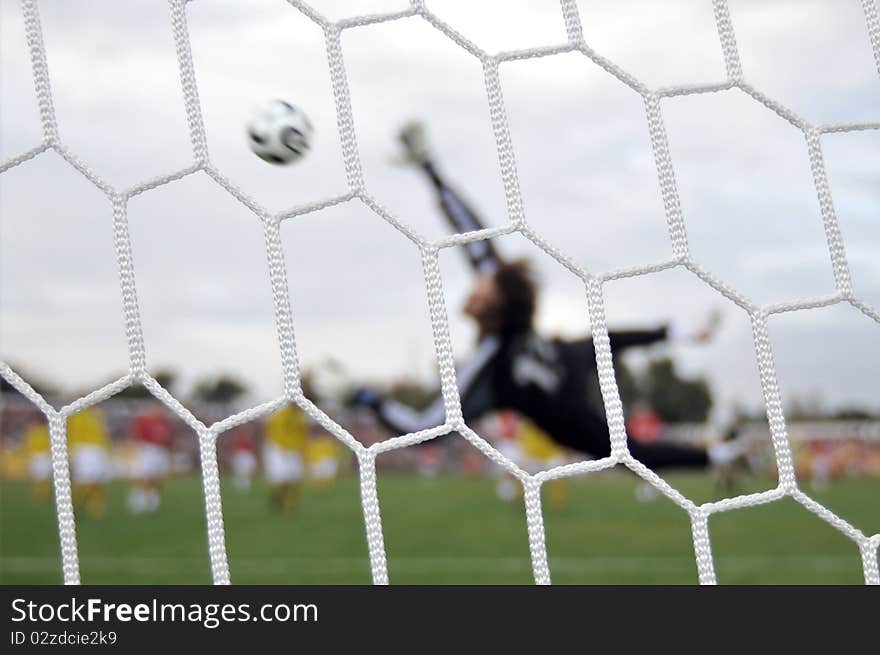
(664, 455)
(589, 434)
(724, 458)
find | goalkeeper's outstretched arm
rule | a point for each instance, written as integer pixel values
(461, 217)
(474, 390)
(623, 339)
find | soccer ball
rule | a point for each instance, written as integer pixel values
(280, 133)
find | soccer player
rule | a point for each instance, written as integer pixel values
(287, 431)
(643, 424)
(89, 444)
(244, 457)
(152, 432)
(527, 446)
(323, 453)
(552, 382)
(39, 453)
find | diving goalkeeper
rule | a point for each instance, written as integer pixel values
(553, 382)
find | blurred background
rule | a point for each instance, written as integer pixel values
(589, 186)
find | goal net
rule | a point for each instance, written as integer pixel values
(429, 250)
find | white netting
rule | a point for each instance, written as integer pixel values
(593, 281)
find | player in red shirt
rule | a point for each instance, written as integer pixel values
(243, 456)
(152, 432)
(643, 424)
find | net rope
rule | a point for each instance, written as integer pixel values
(271, 223)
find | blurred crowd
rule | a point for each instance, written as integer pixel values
(140, 442)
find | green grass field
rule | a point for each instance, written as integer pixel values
(441, 531)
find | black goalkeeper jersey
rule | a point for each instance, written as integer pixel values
(553, 382)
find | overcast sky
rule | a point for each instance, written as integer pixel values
(583, 157)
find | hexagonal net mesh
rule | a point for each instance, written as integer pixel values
(429, 250)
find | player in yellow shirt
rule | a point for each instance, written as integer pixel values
(287, 432)
(323, 453)
(533, 450)
(89, 444)
(39, 454)
(538, 449)
(540, 453)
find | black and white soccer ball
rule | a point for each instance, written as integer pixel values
(280, 133)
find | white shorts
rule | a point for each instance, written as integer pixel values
(152, 463)
(324, 469)
(511, 450)
(281, 465)
(40, 467)
(244, 462)
(89, 464)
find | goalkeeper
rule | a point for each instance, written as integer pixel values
(553, 382)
